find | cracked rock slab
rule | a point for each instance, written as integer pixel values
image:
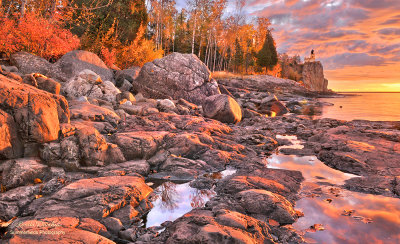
(95, 198)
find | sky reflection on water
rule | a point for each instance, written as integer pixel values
(175, 200)
(376, 219)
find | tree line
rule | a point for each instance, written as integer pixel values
(132, 32)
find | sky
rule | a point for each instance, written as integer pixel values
(357, 41)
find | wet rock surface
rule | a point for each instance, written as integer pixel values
(83, 165)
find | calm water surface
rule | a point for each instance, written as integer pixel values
(346, 217)
(365, 106)
(174, 200)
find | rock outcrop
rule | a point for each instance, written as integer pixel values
(88, 175)
(37, 115)
(313, 77)
(176, 76)
(95, 198)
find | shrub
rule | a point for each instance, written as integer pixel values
(109, 57)
(138, 52)
(37, 35)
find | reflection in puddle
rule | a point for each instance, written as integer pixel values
(173, 200)
(376, 219)
(312, 169)
(346, 217)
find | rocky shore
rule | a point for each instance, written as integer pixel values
(82, 148)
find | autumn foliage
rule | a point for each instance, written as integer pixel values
(35, 34)
(138, 52)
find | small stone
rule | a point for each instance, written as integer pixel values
(113, 225)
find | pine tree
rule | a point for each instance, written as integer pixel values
(238, 57)
(267, 57)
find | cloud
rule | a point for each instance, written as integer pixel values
(376, 4)
(390, 31)
(353, 59)
(348, 35)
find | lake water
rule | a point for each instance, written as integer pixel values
(364, 106)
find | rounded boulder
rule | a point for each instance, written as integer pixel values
(223, 108)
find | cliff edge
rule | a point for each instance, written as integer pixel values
(313, 77)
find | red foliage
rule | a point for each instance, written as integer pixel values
(108, 56)
(37, 35)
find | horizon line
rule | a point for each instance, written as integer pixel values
(367, 91)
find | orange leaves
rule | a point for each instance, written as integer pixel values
(37, 181)
(109, 56)
(139, 52)
(2, 188)
(36, 35)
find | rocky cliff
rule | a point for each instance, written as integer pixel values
(313, 76)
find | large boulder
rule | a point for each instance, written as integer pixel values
(222, 108)
(313, 77)
(28, 63)
(37, 113)
(72, 63)
(89, 84)
(68, 66)
(176, 76)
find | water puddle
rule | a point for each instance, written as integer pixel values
(312, 169)
(173, 200)
(333, 214)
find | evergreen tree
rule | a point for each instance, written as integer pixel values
(268, 57)
(238, 57)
